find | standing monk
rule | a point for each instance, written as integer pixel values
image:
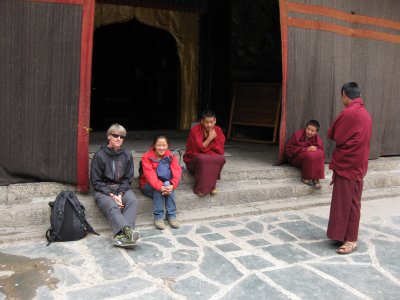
(351, 132)
(305, 150)
(204, 155)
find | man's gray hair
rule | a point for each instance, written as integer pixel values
(117, 129)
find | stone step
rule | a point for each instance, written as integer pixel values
(20, 193)
(36, 232)
(36, 211)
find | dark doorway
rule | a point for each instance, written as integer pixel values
(239, 43)
(135, 77)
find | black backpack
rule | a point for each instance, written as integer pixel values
(67, 219)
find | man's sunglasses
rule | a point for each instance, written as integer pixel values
(118, 136)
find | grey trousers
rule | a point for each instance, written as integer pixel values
(117, 217)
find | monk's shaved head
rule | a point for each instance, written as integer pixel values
(351, 90)
(314, 123)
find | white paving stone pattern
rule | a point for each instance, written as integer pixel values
(283, 255)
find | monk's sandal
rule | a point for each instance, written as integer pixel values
(346, 248)
(306, 181)
(317, 185)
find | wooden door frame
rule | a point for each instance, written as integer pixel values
(83, 126)
(284, 49)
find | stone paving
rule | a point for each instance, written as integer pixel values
(272, 256)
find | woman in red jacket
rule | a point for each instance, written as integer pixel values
(160, 189)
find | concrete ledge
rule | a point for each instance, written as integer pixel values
(3, 194)
(19, 193)
(37, 232)
(35, 211)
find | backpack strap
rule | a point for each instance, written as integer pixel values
(155, 159)
(48, 232)
(80, 210)
(58, 206)
(180, 160)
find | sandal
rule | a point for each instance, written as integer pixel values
(346, 248)
(316, 184)
(306, 181)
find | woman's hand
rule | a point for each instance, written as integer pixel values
(167, 190)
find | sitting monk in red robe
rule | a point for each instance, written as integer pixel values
(204, 155)
(351, 132)
(305, 150)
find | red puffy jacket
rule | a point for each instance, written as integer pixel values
(149, 170)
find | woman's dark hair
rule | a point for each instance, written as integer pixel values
(160, 137)
(314, 123)
(351, 90)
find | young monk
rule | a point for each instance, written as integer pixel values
(351, 132)
(204, 155)
(305, 150)
(161, 190)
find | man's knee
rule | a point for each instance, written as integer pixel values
(105, 203)
(129, 197)
(102, 199)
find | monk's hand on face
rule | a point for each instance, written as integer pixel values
(312, 148)
(212, 135)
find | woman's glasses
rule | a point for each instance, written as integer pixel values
(118, 136)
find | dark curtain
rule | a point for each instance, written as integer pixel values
(214, 60)
(39, 91)
(135, 66)
(319, 62)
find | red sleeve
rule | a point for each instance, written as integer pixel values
(292, 149)
(320, 143)
(149, 172)
(196, 139)
(217, 145)
(345, 128)
(294, 146)
(191, 145)
(329, 134)
(351, 132)
(176, 172)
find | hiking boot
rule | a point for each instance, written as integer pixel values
(131, 234)
(159, 224)
(213, 191)
(121, 240)
(174, 223)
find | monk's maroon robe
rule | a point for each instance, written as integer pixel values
(205, 163)
(351, 132)
(311, 163)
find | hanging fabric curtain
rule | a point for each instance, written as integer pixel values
(183, 26)
(327, 43)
